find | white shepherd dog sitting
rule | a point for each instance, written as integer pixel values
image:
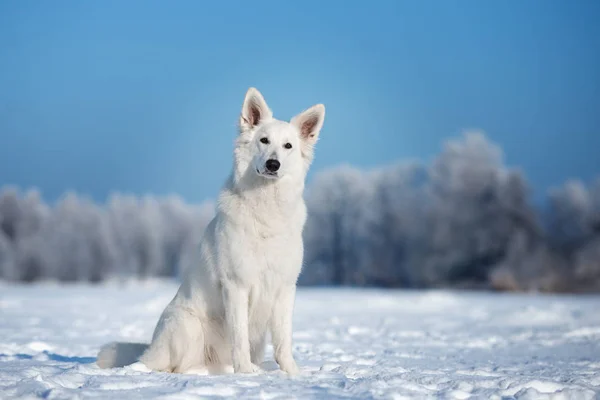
(244, 283)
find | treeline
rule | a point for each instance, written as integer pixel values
(77, 239)
(463, 220)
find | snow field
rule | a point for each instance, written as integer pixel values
(349, 343)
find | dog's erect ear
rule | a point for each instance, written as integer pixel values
(310, 122)
(254, 110)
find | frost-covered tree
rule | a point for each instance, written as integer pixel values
(336, 231)
(476, 205)
(397, 226)
(21, 217)
(7, 262)
(78, 239)
(74, 243)
(452, 222)
(574, 214)
(135, 226)
(574, 230)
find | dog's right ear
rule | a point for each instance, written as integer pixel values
(254, 110)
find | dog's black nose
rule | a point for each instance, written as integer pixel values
(272, 165)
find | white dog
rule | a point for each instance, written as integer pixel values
(250, 257)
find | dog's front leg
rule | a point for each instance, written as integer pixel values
(281, 329)
(236, 309)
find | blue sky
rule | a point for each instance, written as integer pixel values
(143, 96)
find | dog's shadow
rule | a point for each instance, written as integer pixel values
(53, 357)
(269, 366)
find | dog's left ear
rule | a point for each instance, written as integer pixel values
(309, 123)
(254, 110)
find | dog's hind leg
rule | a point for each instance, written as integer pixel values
(158, 355)
(177, 345)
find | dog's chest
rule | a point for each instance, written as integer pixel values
(280, 258)
(262, 236)
(277, 219)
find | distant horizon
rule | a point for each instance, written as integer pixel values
(538, 200)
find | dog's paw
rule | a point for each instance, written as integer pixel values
(289, 367)
(247, 369)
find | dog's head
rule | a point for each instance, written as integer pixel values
(274, 148)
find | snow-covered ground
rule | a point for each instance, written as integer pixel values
(348, 344)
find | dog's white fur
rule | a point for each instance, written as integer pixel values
(244, 283)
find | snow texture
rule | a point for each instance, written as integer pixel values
(349, 343)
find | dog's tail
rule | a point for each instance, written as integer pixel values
(116, 354)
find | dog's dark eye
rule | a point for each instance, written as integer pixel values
(287, 145)
(264, 140)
